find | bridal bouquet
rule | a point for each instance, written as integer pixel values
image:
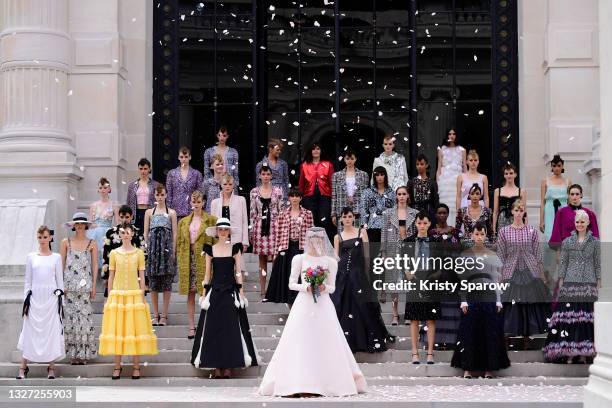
(315, 277)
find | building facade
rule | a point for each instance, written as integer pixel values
(87, 88)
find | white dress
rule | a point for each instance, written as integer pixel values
(42, 338)
(312, 355)
(452, 166)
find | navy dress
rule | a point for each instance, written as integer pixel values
(223, 338)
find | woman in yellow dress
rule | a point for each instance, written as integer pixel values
(126, 324)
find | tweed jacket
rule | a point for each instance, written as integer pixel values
(284, 221)
(519, 243)
(131, 194)
(183, 252)
(179, 191)
(230, 162)
(390, 231)
(339, 194)
(239, 218)
(256, 208)
(280, 175)
(372, 205)
(580, 262)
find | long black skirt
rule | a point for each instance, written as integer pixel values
(223, 338)
(480, 343)
(571, 328)
(278, 288)
(526, 305)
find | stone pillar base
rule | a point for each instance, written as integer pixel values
(597, 393)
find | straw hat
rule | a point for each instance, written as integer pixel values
(78, 218)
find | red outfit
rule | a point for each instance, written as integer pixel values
(564, 225)
(321, 173)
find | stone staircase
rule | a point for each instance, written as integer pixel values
(171, 366)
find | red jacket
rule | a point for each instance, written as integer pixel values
(321, 172)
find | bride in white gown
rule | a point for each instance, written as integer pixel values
(451, 163)
(312, 356)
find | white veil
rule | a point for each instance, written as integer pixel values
(318, 243)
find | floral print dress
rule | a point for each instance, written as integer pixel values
(79, 331)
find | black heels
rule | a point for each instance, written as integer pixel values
(191, 334)
(136, 377)
(49, 375)
(116, 377)
(25, 370)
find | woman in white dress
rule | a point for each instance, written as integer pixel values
(42, 336)
(466, 180)
(312, 356)
(451, 163)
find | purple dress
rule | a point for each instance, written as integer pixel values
(564, 224)
(179, 190)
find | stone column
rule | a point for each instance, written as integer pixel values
(37, 155)
(598, 392)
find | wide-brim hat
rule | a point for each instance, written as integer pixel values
(78, 218)
(221, 222)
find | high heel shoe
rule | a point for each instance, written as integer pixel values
(163, 320)
(395, 320)
(191, 334)
(50, 376)
(217, 373)
(415, 361)
(227, 373)
(428, 360)
(155, 320)
(116, 377)
(135, 369)
(23, 373)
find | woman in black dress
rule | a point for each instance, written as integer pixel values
(356, 305)
(480, 344)
(422, 188)
(223, 339)
(421, 305)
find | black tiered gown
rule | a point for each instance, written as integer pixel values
(223, 338)
(356, 305)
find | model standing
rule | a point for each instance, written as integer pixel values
(397, 225)
(233, 207)
(563, 225)
(42, 335)
(504, 196)
(421, 305)
(446, 239)
(347, 187)
(315, 185)
(181, 182)
(475, 212)
(375, 200)
(104, 214)
(481, 345)
(279, 167)
(211, 187)
(526, 301)
(423, 189)
(191, 239)
(571, 332)
(79, 258)
(330, 368)
(451, 163)
(126, 323)
(553, 195)
(393, 162)
(228, 154)
(113, 241)
(466, 180)
(160, 233)
(265, 205)
(223, 338)
(293, 222)
(141, 193)
(356, 305)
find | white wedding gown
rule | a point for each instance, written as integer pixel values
(312, 355)
(452, 166)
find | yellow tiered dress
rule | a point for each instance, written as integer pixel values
(126, 324)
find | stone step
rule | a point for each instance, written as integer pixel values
(381, 370)
(181, 318)
(254, 382)
(390, 356)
